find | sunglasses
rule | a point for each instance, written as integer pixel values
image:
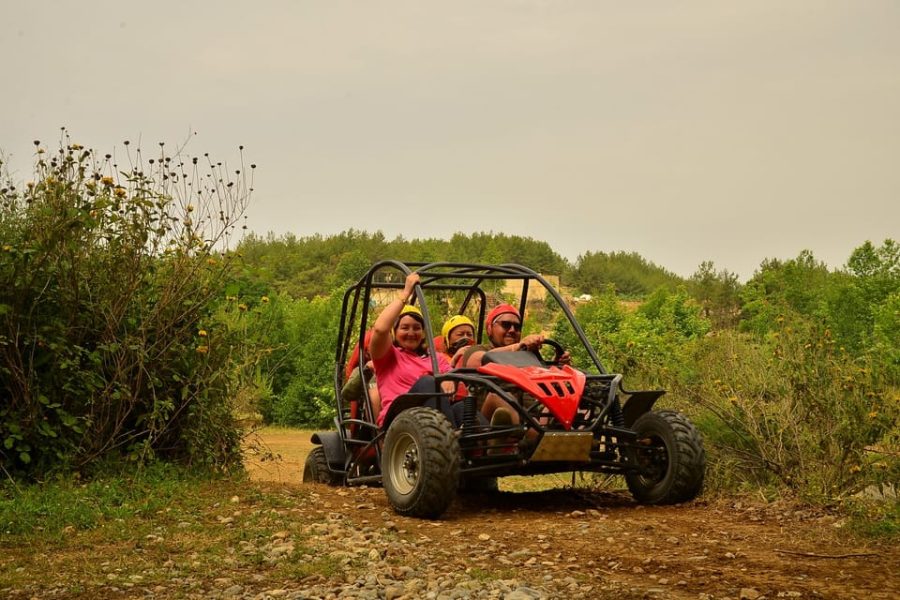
(507, 325)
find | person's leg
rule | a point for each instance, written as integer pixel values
(492, 402)
(427, 385)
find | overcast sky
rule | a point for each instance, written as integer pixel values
(685, 131)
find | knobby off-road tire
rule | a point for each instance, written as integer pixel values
(420, 463)
(316, 468)
(674, 455)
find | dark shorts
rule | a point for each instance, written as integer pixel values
(452, 410)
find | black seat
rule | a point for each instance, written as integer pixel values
(516, 359)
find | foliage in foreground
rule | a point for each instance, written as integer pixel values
(109, 273)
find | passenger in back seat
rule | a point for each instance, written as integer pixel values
(457, 334)
(353, 382)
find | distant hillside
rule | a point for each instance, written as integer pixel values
(313, 265)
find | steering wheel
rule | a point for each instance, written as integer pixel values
(558, 351)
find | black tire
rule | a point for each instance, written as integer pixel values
(420, 463)
(672, 459)
(316, 468)
(478, 485)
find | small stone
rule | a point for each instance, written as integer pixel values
(749, 594)
(523, 593)
(392, 592)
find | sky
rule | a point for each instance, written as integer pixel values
(684, 131)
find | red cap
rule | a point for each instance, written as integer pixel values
(500, 309)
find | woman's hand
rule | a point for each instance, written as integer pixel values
(410, 285)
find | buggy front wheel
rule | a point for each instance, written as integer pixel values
(420, 463)
(670, 459)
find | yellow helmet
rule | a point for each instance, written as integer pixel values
(414, 311)
(454, 322)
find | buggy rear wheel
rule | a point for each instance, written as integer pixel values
(316, 470)
(420, 463)
(670, 458)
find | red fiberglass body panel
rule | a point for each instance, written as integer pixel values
(559, 389)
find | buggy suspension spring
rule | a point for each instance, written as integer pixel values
(470, 413)
(615, 413)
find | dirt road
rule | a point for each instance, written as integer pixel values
(706, 549)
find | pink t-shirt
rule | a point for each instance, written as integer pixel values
(398, 370)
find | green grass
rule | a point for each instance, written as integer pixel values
(876, 520)
(48, 510)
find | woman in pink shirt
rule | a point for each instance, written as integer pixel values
(402, 362)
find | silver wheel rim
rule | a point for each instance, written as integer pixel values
(404, 464)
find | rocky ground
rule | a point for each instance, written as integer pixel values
(281, 539)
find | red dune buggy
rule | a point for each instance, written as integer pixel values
(570, 419)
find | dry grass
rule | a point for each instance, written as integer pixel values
(277, 454)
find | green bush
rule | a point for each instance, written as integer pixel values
(647, 344)
(288, 351)
(108, 273)
(795, 410)
(784, 405)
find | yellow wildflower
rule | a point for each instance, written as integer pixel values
(107, 180)
(120, 192)
(202, 333)
(242, 306)
(202, 349)
(264, 299)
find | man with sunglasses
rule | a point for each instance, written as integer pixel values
(503, 327)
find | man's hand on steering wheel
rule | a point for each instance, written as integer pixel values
(561, 356)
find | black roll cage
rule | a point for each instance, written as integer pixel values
(604, 416)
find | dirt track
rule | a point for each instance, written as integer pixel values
(707, 549)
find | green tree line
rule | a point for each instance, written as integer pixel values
(311, 266)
